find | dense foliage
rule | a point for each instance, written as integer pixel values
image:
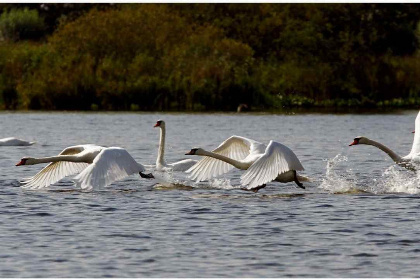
(208, 56)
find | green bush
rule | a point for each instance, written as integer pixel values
(212, 57)
(18, 24)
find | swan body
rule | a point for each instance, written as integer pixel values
(161, 164)
(97, 167)
(404, 161)
(11, 141)
(263, 164)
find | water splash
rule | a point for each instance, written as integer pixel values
(164, 178)
(338, 183)
(170, 179)
(222, 184)
(397, 180)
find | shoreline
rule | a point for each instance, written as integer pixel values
(285, 111)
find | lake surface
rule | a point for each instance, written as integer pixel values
(358, 218)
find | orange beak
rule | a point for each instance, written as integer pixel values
(22, 162)
(354, 143)
(156, 125)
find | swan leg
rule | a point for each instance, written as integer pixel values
(300, 185)
(407, 165)
(255, 190)
(147, 176)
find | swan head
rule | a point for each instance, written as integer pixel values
(159, 123)
(196, 151)
(26, 161)
(359, 140)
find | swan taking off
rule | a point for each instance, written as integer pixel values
(406, 161)
(98, 167)
(264, 164)
(161, 164)
(11, 141)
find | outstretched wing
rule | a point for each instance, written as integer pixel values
(110, 165)
(182, 165)
(416, 144)
(56, 171)
(276, 160)
(235, 147)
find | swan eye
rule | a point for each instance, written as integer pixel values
(192, 152)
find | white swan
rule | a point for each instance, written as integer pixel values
(12, 141)
(405, 161)
(161, 164)
(264, 164)
(98, 167)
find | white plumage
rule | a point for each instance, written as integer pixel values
(277, 159)
(161, 164)
(11, 141)
(110, 165)
(263, 163)
(98, 167)
(415, 149)
(406, 161)
(235, 147)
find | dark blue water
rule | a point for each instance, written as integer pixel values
(358, 218)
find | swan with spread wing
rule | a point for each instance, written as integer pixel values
(97, 167)
(263, 164)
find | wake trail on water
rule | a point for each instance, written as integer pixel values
(169, 180)
(338, 179)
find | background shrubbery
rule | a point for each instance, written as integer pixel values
(208, 56)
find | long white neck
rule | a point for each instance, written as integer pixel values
(384, 148)
(71, 158)
(161, 152)
(236, 163)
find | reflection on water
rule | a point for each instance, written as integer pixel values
(356, 218)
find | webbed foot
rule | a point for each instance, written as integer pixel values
(255, 190)
(146, 176)
(300, 185)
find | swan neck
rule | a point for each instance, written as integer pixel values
(58, 158)
(387, 150)
(161, 152)
(233, 162)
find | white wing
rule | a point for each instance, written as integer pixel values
(182, 165)
(110, 165)
(276, 160)
(416, 144)
(56, 171)
(235, 147)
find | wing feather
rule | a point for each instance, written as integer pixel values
(110, 165)
(56, 171)
(235, 147)
(53, 173)
(416, 143)
(276, 160)
(182, 165)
